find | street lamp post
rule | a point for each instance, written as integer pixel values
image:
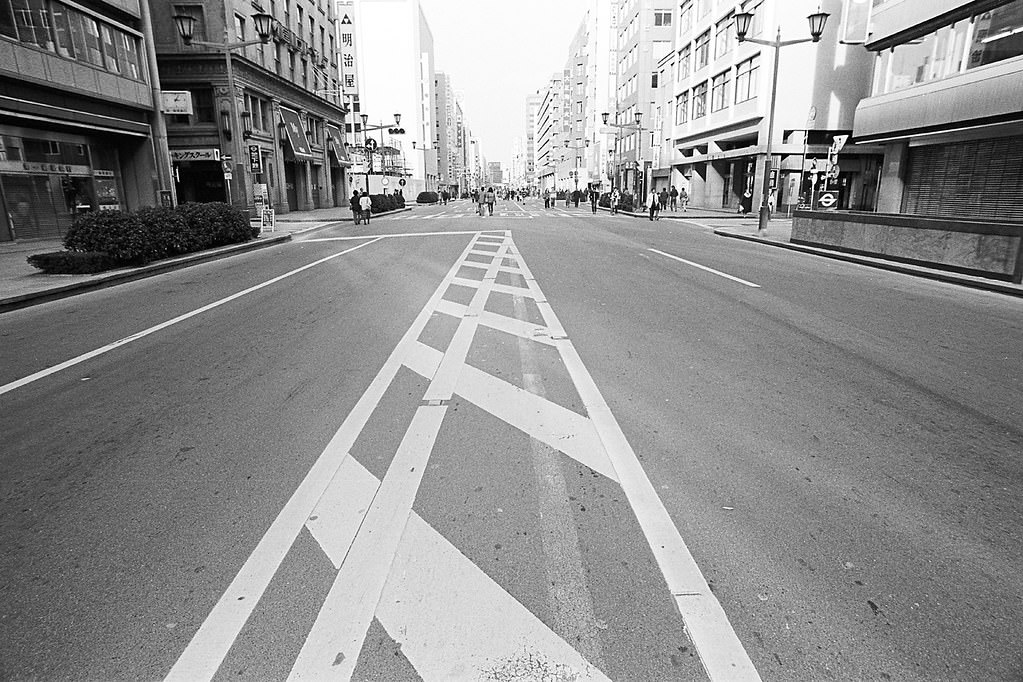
(576, 148)
(743, 20)
(637, 127)
(263, 24)
(366, 128)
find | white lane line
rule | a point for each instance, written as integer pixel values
(704, 267)
(389, 236)
(454, 622)
(443, 385)
(210, 644)
(721, 652)
(503, 323)
(43, 373)
(332, 648)
(440, 607)
(541, 419)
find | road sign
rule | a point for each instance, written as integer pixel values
(827, 200)
(385, 181)
(371, 143)
(228, 175)
(226, 163)
(401, 182)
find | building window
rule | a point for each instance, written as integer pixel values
(31, 23)
(653, 80)
(702, 50)
(110, 52)
(723, 32)
(685, 17)
(682, 108)
(662, 18)
(700, 100)
(683, 62)
(746, 79)
(719, 91)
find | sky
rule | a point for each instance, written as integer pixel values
(497, 53)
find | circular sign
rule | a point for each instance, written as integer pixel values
(827, 199)
(402, 182)
(385, 181)
(371, 143)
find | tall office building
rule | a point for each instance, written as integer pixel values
(76, 114)
(284, 127)
(718, 99)
(397, 75)
(946, 106)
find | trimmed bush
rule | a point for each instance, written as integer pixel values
(156, 232)
(71, 262)
(427, 198)
(119, 235)
(627, 203)
(387, 202)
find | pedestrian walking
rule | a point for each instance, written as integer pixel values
(673, 196)
(366, 204)
(594, 195)
(575, 198)
(546, 198)
(616, 198)
(481, 201)
(683, 198)
(491, 198)
(356, 206)
(653, 202)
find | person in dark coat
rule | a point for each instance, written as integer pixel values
(356, 208)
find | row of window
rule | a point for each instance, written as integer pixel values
(982, 39)
(694, 104)
(259, 110)
(71, 33)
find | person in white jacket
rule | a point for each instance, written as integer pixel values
(653, 203)
(367, 206)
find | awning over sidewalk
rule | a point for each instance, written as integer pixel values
(337, 145)
(296, 134)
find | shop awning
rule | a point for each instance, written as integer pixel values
(296, 134)
(337, 145)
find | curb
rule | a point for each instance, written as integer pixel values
(927, 273)
(333, 221)
(129, 275)
(684, 216)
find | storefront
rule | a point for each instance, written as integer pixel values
(339, 163)
(297, 154)
(47, 178)
(198, 175)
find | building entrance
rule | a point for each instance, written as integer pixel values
(200, 181)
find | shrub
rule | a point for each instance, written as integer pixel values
(157, 232)
(119, 235)
(604, 200)
(218, 223)
(71, 262)
(427, 198)
(628, 202)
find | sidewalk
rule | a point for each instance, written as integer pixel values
(22, 285)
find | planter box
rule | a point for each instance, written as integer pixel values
(992, 249)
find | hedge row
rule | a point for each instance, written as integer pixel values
(117, 238)
(627, 202)
(386, 202)
(428, 198)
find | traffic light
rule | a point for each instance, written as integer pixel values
(396, 131)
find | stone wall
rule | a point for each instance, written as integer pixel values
(988, 249)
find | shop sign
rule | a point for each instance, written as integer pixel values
(195, 154)
(103, 173)
(255, 159)
(267, 220)
(35, 167)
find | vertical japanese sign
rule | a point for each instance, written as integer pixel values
(346, 29)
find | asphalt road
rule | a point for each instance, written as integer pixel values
(537, 445)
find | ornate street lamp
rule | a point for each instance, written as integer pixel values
(743, 21)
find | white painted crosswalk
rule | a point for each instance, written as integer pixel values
(450, 619)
